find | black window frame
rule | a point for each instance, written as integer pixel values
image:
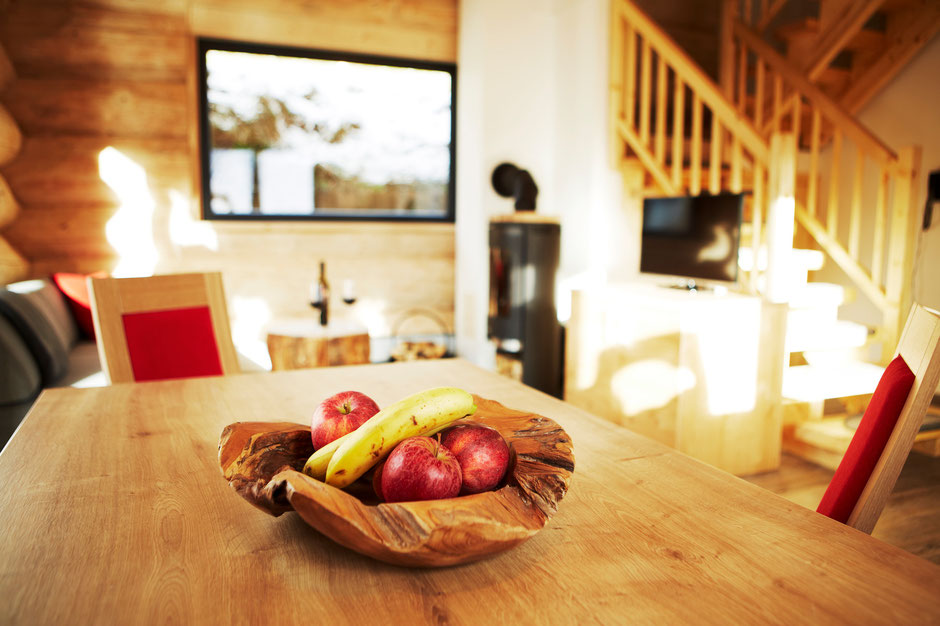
(204, 44)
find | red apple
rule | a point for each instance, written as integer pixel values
(340, 414)
(482, 453)
(420, 468)
(377, 480)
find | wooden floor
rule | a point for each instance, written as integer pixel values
(911, 519)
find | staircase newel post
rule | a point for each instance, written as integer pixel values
(904, 224)
(781, 186)
(778, 288)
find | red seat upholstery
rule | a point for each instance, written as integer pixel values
(172, 343)
(868, 442)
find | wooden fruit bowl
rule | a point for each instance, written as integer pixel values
(261, 461)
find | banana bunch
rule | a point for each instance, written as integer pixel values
(343, 460)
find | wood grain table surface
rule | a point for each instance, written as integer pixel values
(113, 510)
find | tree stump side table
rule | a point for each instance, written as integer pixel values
(302, 343)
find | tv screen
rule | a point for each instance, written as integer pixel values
(312, 134)
(695, 237)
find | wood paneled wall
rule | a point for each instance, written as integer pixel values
(121, 73)
(12, 264)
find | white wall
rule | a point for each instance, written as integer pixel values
(905, 113)
(598, 238)
(532, 89)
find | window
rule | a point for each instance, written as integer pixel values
(309, 134)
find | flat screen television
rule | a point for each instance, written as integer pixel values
(692, 238)
(291, 133)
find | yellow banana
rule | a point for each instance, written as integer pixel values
(417, 414)
(318, 462)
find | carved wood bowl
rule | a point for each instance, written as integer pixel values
(261, 461)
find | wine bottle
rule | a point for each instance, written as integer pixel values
(323, 296)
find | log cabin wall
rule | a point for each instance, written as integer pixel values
(122, 74)
(12, 264)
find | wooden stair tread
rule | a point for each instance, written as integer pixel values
(891, 6)
(834, 77)
(808, 27)
(873, 55)
(909, 27)
(817, 294)
(812, 383)
(798, 28)
(834, 433)
(806, 334)
(867, 39)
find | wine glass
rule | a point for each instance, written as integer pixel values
(316, 297)
(349, 291)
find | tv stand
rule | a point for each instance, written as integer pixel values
(691, 285)
(700, 371)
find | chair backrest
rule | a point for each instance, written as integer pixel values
(159, 327)
(918, 367)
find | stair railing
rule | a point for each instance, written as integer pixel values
(757, 15)
(845, 159)
(652, 82)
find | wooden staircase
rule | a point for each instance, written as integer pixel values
(777, 127)
(849, 48)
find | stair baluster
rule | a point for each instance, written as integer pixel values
(859, 246)
(650, 74)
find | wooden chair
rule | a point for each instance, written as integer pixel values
(886, 433)
(159, 327)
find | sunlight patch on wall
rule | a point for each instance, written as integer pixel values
(249, 317)
(371, 313)
(186, 231)
(130, 229)
(728, 378)
(649, 384)
(780, 220)
(590, 279)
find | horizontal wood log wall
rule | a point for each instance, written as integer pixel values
(12, 264)
(121, 73)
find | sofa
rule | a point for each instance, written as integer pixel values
(46, 340)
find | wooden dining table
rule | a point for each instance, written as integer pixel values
(113, 510)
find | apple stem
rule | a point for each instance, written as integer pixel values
(345, 408)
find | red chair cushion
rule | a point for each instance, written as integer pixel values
(75, 290)
(175, 343)
(868, 442)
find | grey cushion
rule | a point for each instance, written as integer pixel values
(47, 298)
(84, 367)
(27, 309)
(19, 374)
